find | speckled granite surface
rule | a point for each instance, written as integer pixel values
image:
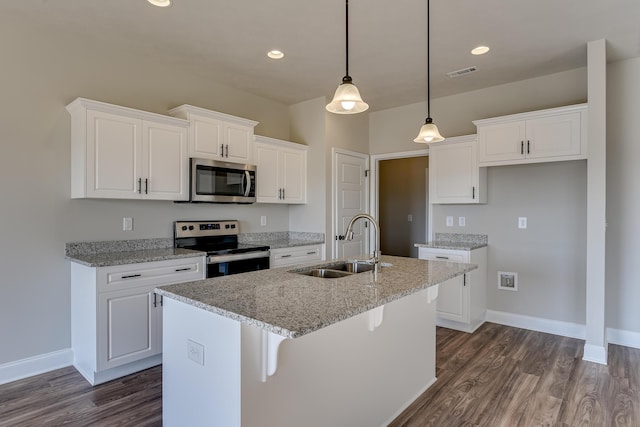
(456, 241)
(282, 239)
(293, 305)
(120, 252)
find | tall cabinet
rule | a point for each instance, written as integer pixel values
(122, 153)
(281, 171)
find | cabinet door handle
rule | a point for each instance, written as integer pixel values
(521, 147)
(442, 257)
(227, 156)
(528, 146)
(183, 269)
(131, 276)
(286, 256)
(464, 280)
(139, 185)
(154, 299)
(473, 193)
(146, 186)
(311, 253)
(161, 300)
(221, 150)
(283, 196)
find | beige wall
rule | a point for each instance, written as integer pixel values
(43, 70)
(623, 196)
(402, 192)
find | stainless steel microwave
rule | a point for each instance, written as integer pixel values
(214, 181)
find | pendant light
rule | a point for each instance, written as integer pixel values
(347, 99)
(428, 132)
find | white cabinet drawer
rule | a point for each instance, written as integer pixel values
(150, 273)
(297, 255)
(443, 255)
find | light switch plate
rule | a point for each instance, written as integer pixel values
(263, 220)
(449, 221)
(522, 222)
(127, 224)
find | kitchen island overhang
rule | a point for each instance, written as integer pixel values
(359, 351)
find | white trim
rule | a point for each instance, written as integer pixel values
(595, 353)
(375, 182)
(624, 338)
(556, 327)
(35, 365)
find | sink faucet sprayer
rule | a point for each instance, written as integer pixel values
(348, 235)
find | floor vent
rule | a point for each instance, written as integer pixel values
(462, 72)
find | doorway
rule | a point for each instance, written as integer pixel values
(400, 199)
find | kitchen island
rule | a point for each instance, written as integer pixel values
(279, 348)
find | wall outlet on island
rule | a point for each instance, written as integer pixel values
(195, 352)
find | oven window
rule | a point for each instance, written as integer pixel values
(235, 267)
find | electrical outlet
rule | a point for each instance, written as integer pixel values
(449, 221)
(263, 220)
(410, 218)
(127, 224)
(507, 281)
(195, 352)
(522, 222)
(462, 221)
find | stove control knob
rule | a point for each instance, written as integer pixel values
(184, 228)
(191, 227)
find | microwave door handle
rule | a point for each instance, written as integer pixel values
(247, 180)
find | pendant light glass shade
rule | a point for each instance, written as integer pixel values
(347, 99)
(428, 133)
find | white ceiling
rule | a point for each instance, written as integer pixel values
(229, 40)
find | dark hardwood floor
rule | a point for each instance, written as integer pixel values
(498, 376)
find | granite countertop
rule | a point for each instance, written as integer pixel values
(290, 243)
(292, 305)
(456, 241)
(106, 259)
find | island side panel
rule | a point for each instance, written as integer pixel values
(195, 394)
(344, 375)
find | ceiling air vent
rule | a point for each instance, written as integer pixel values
(462, 72)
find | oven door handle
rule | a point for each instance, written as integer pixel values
(247, 182)
(217, 259)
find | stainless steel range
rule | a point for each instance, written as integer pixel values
(219, 239)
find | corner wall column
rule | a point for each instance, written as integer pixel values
(595, 348)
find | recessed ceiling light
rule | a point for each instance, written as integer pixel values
(480, 50)
(275, 54)
(160, 3)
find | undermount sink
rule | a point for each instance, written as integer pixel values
(336, 270)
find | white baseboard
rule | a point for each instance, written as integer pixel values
(624, 338)
(556, 327)
(31, 366)
(595, 353)
(410, 401)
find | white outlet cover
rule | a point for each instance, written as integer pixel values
(127, 224)
(263, 220)
(449, 221)
(462, 221)
(410, 218)
(195, 352)
(522, 222)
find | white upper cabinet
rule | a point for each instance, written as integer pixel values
(454, 174)
(281, 175)
(217, 136)
(122, 153)
(555, 134)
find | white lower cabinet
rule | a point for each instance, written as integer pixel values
(296, 255)
(462, 301)
(116, 318)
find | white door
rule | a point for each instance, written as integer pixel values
(350, 198)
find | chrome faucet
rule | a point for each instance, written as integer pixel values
(348, 235)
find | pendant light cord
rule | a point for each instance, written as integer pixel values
(347, 36)
(428, 65)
